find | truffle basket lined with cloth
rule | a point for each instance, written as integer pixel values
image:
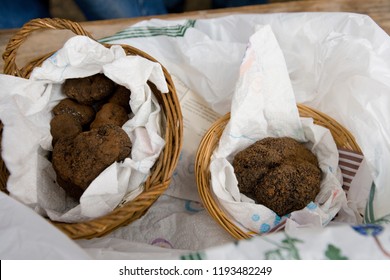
(172, 131)
(342, 137)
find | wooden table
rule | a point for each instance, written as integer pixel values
(42, 42)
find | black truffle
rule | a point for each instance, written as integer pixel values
(279, 173)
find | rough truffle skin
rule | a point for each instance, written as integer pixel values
(84, 114)
(78, 160)
(62, 126)
(110, 113)
(89, 90)
(121, 97)
(279, 173)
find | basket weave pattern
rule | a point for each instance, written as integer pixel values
(343, 138)
(162, 171)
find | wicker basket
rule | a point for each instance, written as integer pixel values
(162, 171)
(342, 137)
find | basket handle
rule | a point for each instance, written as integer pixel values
(9, 55)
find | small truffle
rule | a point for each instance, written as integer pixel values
(62, 126)
(89, 90)
(121, 97)
(279, 173)
(110, 113)
(78, 160)
(84, 114)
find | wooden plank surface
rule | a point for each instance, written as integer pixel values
(42, 42)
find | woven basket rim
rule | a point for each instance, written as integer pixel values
(343, 138)
(161, 173)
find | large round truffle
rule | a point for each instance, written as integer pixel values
(89, 90)
(279, 173)
(78, 160)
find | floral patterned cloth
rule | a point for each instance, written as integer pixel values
(338, 242)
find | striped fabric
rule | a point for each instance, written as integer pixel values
(177, 30)
(349, 163)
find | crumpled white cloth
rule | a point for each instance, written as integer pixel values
(26, 113)
(264, 105)
(27, 236)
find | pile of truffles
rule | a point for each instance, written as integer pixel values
(86, 131)
(279, 173)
